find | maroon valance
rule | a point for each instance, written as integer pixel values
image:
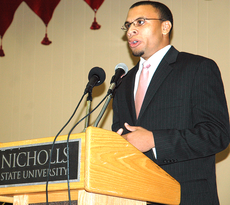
(95, 5)
(43, 8)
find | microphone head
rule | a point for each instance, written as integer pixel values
(99, 72)
(123, 67)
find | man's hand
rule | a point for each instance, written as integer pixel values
(139, 137)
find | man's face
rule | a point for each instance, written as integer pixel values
(147, 39)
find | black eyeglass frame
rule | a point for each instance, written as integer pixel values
(127, 25)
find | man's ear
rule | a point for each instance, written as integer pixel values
(166, 27)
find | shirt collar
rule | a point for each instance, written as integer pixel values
(156, 58)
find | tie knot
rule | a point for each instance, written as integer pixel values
(146, 64)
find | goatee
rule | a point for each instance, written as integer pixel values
(138, 54)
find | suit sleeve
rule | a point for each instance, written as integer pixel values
(209, 133)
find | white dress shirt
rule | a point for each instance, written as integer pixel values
(154, 61)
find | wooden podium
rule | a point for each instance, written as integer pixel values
(112, 172)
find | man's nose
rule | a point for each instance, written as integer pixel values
(132, 31)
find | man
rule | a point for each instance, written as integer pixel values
(183, 120)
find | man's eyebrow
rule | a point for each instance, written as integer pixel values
(140, 17)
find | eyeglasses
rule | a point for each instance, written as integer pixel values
(137, 23)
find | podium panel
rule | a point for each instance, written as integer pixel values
(112, 171)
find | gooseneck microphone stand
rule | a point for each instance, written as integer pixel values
(88, 109)
(109, 97)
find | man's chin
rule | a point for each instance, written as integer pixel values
(138, 54)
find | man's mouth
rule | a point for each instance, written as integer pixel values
(134, 43)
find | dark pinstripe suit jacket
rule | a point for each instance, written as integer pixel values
(185, 108)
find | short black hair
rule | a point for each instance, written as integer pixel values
(163, 10)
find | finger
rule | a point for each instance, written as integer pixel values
(120, 131)
(129, 127)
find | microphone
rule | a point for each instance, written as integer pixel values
(96, 77)
(120, 70)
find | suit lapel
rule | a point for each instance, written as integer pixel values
(129, 91)
(159, 76)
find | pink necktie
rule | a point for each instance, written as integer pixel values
(142, 87)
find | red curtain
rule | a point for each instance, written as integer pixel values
(44, 9)
(95, 5)
(7, 10)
